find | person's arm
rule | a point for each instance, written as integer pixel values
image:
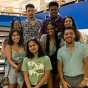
(85, 80)
(39, 34)
(26, 75)
(47, 67)
(42, 41)
(43, 30)
(60, 68)
(60, 71)
(25, 72)
(42, 45)
(9, 56)
(44, 78)
(86, 67)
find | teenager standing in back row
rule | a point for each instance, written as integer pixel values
(54, 18)
(31, 26)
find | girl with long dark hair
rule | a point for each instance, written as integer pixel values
(51, 43)
(14, 52)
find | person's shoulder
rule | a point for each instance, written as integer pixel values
(45, 57)
(25, 23)
(61, 18)
(44, 35)
(8, 46)
(62, 48)
(43, 38)
(47, 20)
(59, 34)
(26, 59)
(39, 20)
(81, 45)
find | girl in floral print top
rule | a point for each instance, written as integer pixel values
(36, 66)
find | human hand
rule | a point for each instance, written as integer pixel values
(65, 84)
(83, 83)
(57, 76)
(35, 87)
(18, 68)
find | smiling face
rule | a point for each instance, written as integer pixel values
(15, 37)
(69, 36)
(33, 47)
(54, 11)
(68, 22)
(17, 25)
(30, 12)
(50, 30)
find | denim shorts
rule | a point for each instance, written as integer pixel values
(15, 77)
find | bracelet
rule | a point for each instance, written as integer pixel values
(86, 79)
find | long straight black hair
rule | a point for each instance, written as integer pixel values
(57, 42)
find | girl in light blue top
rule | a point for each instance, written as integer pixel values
(14, 52)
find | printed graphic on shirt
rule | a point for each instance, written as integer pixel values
(35, 68)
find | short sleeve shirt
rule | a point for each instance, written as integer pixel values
(31, 31)
(36, 68)
(72, 61)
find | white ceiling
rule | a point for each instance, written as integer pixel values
(19, 4)
(8, 3)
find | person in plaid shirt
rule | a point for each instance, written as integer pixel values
(54, 18)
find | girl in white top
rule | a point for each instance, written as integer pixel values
(50, 42)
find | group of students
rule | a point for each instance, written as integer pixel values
(40, 55)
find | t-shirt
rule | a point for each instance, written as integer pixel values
(36, 68)
(72, 61)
